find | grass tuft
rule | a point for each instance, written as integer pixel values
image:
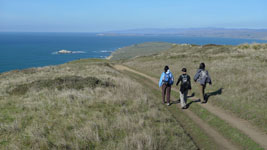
(67, 82)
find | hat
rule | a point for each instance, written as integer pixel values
(184, 70)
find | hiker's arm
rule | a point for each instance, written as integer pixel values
(189, 83)
(178, 81)
(209, 79)
(196, 76)
(160, 80)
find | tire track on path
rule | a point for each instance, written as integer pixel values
(241, 124)
(217, 137)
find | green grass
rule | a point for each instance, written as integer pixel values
(38, 111)
(229, 132)
(143, 49)
(192, 129)
(234, 135)
(241, 72)
(59, 83)
(58, 107)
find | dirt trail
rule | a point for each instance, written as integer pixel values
(243, 125)
(219, 139)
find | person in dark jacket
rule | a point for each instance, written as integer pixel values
(184, 78)
(202, 77)
(165, 82)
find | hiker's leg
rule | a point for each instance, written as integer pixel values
(200, 92)
(182, 99)
(168, 93)
(185, 96)
(163, 92)
(204, 87)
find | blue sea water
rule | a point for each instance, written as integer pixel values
(25, 50)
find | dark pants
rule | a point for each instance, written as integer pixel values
(166, 89)
(202, 92)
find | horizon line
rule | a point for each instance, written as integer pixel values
(115, 30)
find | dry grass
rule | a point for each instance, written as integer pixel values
(254, 46)
(241, 71)
(137, 50)
(122, 116)
(59, 83)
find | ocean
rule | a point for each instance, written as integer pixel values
(26, 50)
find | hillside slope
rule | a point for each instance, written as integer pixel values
(137, 50)
(90, 104)
(239, 71)
(84, 104)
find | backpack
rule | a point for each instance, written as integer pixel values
(166, 78)
(185, 83)
(203, 75)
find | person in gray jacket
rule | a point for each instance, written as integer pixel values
(202, 77)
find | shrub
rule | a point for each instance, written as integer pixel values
(67, 82)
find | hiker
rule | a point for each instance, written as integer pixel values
(165, 82)
(202, 77)
(184, 78)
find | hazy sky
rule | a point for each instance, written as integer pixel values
(106, 15)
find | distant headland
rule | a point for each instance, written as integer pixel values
(241, 33)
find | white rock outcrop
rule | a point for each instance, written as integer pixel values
(64, 52)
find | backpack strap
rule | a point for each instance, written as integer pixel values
(184, 75)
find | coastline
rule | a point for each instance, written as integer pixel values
(112, 56)
(83, 47)
(109, 57)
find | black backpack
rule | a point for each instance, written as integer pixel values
(185, 82)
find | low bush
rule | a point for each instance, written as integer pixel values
(67, 82)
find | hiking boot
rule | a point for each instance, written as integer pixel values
(184, 107)
(168, 104)
(203, 102)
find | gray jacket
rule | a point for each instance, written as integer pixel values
(202, 76)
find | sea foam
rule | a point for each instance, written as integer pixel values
(68, 52)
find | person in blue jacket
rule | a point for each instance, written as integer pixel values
(202, 77)
(165, 82)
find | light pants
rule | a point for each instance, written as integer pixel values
(183, 98)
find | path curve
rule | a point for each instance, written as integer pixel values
(217, 137)
(241, 124)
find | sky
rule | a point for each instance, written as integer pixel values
(109, 15)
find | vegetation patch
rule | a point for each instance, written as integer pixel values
(137, 50)
(211, 45)
(107, 117)
(67, 82)
(240, 70)
(254, 46)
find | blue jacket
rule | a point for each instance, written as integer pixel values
(162, 77)
(202, 77)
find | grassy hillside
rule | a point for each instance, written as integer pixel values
(88, 104)
(143, 49)
(84, 104)
(239, 75)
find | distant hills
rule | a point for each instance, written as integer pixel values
(260, 34)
